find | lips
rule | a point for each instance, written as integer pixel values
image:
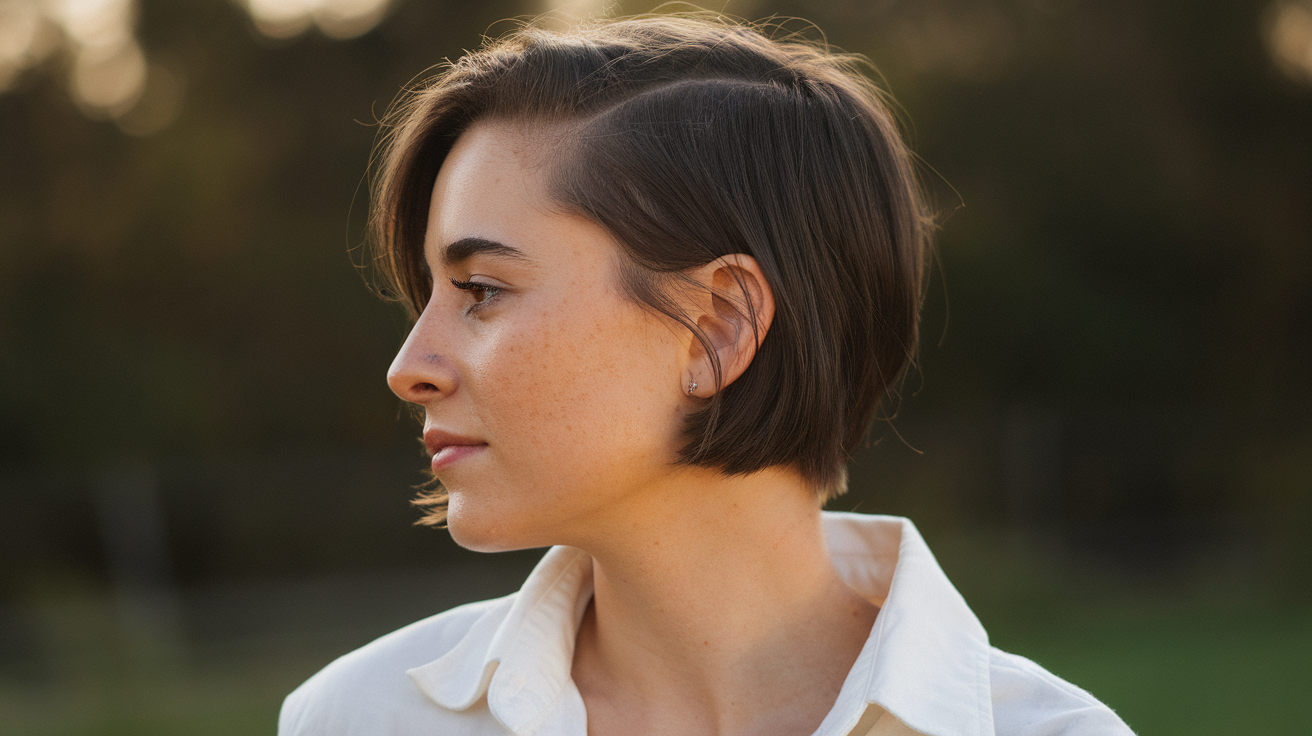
(448, 447)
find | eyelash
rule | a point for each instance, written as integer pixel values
(488, 290)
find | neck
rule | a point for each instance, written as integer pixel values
(712, 603)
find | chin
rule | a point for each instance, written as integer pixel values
(481, 529)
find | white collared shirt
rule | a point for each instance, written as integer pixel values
(503, 666)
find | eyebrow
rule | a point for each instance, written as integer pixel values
(466, 248)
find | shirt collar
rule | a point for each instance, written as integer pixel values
(926, 660)
(519, 653)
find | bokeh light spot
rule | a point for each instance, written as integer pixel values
(96, 23)
(1289, 38)
(339, 19)
(21, 25)
(109, 80)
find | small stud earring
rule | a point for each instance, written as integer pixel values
(692, 386)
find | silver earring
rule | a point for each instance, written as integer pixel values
(692, 386)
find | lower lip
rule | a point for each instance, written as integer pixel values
(452, 453)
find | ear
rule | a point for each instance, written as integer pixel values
(734, 311)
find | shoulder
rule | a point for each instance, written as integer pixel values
(368, 690)
(1031, 701)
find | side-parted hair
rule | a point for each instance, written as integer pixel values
(690, 138)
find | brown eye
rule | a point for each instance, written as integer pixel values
(481, 292)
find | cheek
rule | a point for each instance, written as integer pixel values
(584, 387)
(525, 378)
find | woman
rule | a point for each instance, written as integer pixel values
(663, 271)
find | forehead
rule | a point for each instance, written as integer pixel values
(494, 155)
(492, 185)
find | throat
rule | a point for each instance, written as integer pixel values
(728, 644)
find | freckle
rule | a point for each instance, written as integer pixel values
(706, 643)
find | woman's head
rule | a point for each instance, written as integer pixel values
(687, 141)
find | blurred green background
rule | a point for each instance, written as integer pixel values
(204, 479)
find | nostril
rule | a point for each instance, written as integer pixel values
(425, 387)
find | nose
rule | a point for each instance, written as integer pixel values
(420, 373)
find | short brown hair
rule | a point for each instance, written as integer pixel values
(692, 138)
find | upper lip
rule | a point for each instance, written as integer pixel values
(435, 439)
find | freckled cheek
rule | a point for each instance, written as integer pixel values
(621, 398)
(526, 385)
(588, 382)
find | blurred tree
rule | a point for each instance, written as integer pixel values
(1132, 259)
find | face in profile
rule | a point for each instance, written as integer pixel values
(551, 401)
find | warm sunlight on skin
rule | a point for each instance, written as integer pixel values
(572, 391)
(554, 405)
